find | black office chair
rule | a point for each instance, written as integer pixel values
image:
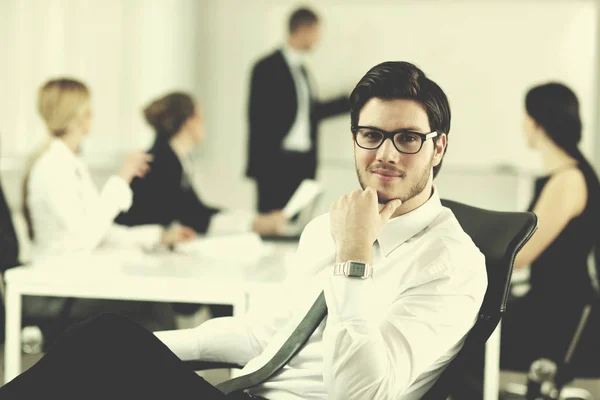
(581, 358)
(499, 236)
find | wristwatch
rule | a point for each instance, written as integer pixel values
(353, 269)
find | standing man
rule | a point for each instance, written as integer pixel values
(284, 114)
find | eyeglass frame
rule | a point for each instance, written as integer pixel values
(390, 135)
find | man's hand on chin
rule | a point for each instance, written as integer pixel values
(356, 222)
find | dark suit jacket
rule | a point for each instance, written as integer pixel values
(164, 195)
(272, 111)
(9, 246)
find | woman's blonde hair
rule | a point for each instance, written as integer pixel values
(60, 102)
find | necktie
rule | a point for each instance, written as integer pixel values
(289, 349)
(305, 76)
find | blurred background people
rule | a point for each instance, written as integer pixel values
(64, 210)
(284, 114)
(567, 202)
(165, 194)
(66, 214)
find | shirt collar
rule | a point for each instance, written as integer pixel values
(292, 56)
(404, 227)
(58, 147)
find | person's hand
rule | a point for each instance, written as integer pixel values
(136, 165)
(177, 234)
(271, 223)
(356, 222)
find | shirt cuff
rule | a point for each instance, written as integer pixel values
(179, 341)
(150, 236)
(350, 298)
(118, 192)
(231, 221)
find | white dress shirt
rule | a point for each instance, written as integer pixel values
(69, 214)
(298, 138)
(386, 337)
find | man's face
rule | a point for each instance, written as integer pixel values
(309, 35)
(393, 174)
(197, 126)
(531, 131)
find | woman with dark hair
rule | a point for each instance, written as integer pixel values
(566, 201)
(165, 194)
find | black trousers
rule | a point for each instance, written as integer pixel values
(111, 357)
(287, 172)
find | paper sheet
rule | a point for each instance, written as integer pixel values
(302, 197)
(238, 247)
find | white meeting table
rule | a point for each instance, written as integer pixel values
(132, 275)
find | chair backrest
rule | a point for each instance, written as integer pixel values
(9, 247)
(499, 236)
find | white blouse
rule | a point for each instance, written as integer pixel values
(68, 213)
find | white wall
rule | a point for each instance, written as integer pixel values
(485, 54)
(126, 51)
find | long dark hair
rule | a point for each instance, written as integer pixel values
(556, 109)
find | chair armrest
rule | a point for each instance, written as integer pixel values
(198, 365)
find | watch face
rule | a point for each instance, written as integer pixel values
(356, 269)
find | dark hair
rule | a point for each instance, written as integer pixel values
(403, 80)
(556, 109)
(168, 113)
(301, 17)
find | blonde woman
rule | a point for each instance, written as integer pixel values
(65, 211)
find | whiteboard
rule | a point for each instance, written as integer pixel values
(484, 54)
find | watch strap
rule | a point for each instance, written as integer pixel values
(353, 269)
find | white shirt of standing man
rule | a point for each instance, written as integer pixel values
(298, 138)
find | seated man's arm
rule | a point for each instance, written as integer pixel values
(228, 339)
(377, 351)
(220, 340)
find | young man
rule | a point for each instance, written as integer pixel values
(402, 284)
(283, 115)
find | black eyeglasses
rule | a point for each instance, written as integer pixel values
(405, 141)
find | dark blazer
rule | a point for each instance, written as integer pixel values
(9, 246)
(164, 195)
(272, 112)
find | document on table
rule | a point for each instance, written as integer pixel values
(244, 247)
(302, 197)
